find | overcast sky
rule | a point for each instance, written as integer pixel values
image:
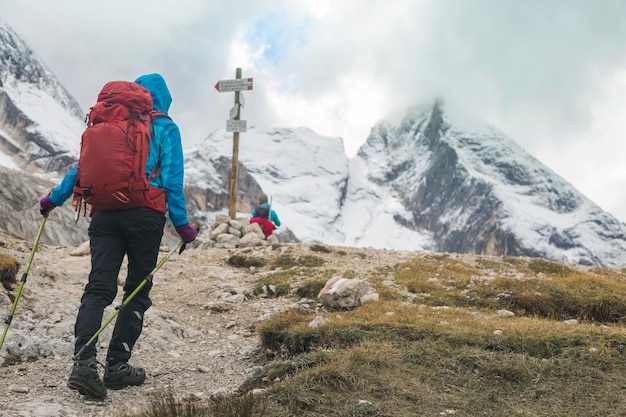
(551, 74)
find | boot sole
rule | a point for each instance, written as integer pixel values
(120, 385)
(83, 388)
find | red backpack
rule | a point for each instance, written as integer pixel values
(114, 149)
(266, 226)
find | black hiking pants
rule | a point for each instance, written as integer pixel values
(137, 234)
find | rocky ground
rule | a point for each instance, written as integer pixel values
(199, 337)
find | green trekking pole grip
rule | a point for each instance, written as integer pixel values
(130, 297)
(7, 321)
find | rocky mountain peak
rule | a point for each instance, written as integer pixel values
(20, 65)
(477, 191)
(40, 122)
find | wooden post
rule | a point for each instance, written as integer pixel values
(235, 125)
(232, 209)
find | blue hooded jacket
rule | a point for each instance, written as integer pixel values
(165, 148)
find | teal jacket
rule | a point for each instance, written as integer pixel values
(165, 146)
(273, 216)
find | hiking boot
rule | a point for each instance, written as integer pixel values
(123, 375)
(86, 380)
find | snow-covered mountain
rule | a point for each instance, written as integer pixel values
(434, 181)
(467, 188)
(304, 173)
(39, 119)
(40, 128)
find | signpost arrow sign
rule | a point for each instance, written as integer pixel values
(237, 84)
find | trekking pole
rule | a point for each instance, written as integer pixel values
(180, 245)
(9, 318)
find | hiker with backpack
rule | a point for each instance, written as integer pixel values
(265, 216)
(128, 218)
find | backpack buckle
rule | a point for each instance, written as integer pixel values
(121, 197)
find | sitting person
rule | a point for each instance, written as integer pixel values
(266, 217)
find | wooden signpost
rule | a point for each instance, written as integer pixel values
(235, 125)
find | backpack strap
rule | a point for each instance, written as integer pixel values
(156, 171)
(155, 114)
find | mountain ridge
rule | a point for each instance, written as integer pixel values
(477, 190)
(434, 181)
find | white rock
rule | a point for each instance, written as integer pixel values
(505, 313)
(18, 389)
(236, 224)
(227, 238)
(219, 230)
(318, 321)
(343, 292)
(223, 391)
(371, 297)
(82, 250)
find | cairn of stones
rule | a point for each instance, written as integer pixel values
(230, 233)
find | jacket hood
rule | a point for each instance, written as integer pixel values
(161, 97)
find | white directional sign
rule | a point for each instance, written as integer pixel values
(235, 125)
(238, 84)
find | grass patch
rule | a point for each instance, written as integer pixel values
(310, 288)
(547, 289)
(575, 296)
(276, 285)
(403, 360)
(217, 406)
(8, 270)
(549, 268)
(320, 248)
(241, 261)
(287, 261)
(307, 282)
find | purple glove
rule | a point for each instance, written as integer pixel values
(186, 232)
(46, 206)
